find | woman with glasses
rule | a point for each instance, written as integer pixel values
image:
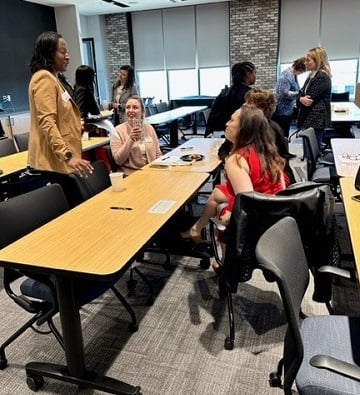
(55, 129)
(315, 96)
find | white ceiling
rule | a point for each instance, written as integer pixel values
(98, 7)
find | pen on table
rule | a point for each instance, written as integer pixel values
(166, 157)
(120, 208)
(183, 148)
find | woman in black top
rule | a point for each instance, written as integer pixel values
(84, 91)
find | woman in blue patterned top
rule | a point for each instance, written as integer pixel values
(286, 90)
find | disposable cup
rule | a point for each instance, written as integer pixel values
(117, 181)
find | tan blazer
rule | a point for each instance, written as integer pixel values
(55, 124)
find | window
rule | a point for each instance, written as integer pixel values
(182, 83)
(344, 75)
(213, 80)
(153, 84)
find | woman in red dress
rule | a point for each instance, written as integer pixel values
(253, 165)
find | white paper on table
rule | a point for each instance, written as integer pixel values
(105, 124)
(162, 206)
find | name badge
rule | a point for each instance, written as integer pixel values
(65, 96)
(148, 139)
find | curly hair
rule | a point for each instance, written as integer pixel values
(263, 99)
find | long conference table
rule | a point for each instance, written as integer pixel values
(352, 211)
(14, 163)
(171, 117)
(62, 248)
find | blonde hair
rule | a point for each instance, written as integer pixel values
(319, 55)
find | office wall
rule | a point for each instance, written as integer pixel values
(254, 36)
(254, 31)
(20, 23)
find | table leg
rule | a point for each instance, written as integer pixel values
(74, 372)
(174, 137)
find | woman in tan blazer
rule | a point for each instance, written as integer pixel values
(55, 130)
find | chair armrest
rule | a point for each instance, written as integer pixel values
(337, 271)
(336, 365)
(325, 163)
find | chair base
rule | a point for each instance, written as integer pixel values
(36, 370)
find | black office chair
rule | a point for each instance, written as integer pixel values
(113, 165)
(321, 353)
(22, 141)
(338, 97)
(319, 168)
(313, 207)
(7, 147)
(18, 217)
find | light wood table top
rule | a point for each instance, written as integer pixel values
(10, 164)
(352, 211)
(13, 163)
(204, 146)
(67, 244)
(94, 142)
(346, 167)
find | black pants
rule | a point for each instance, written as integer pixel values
(71, 192)
(284, 122)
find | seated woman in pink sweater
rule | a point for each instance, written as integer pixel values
(136, 142)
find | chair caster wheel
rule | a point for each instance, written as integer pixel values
(205, 263)
(229, 343)
(133, 327)
(274, 380)
(34, 382)
(3, 361)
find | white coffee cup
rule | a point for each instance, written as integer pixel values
(117, 181)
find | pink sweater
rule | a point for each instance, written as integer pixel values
(127, 153)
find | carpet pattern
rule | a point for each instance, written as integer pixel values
(179, 347)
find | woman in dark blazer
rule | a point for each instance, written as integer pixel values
(314, 97)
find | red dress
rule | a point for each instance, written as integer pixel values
(260, 184)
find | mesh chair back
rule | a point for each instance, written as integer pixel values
(288, 266)
(24, 213)
(162, 106)
(7, 147)
(311, 149)
(343, 96)
(22, 141)
(95, 182)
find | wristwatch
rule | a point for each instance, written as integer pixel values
(68, 155)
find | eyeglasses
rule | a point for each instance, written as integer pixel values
(345, 155)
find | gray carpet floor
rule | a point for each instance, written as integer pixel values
(179, 347)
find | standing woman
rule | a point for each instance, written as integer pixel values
(314, 97)
(55, 129)
(123, 88)
(286, 90)
(136, 142)
(84, 91)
